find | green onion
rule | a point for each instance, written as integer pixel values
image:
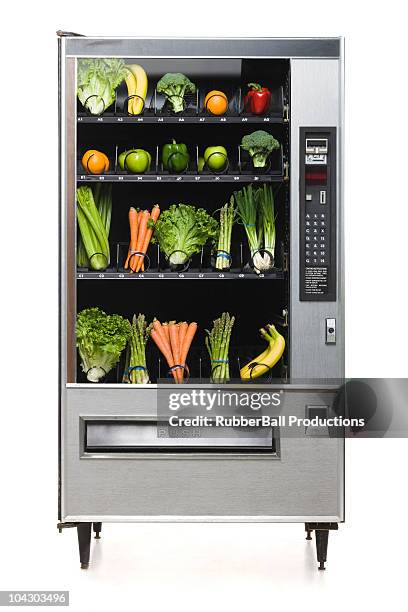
(255, 208)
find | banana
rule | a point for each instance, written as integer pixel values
(268, 358)
(131, 87)
(140, 90)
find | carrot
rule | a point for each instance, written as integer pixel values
(140, 238)
(166, 332)
(153, 217)
(182, 333)
(133, 224)
(157, 339)
(158, 327)
(175, 348)
(188, 338)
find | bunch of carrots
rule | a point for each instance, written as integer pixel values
(141, 223)
(174, 340)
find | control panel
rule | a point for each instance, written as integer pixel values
(317, 210)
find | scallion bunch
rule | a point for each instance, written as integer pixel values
(256, 210)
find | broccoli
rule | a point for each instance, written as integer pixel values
(174, 86)
(259, 145)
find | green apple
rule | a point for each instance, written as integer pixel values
(201, 163)
(121, 159)
(215, 157)
(135, 160)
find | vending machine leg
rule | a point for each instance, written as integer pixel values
(84, 542)
(322, 539)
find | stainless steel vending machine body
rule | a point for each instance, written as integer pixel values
(302, 478)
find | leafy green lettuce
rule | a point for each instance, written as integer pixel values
(97, 80)
(182, 230)
(100, 339)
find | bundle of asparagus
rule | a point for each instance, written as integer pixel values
(136, 370)
(223, 256)
(217, 343)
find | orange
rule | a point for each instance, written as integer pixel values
(95, 162)
(216, 102)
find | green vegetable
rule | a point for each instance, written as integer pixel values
(135, 368)
(267, 221)
(223, 258)
(255, 208)
(175, 157)
(100, 339)
(97, 80)
(93, 231)
(102, 195)
(259, 145)
(182, 230)
(174, 86)
(217, 343)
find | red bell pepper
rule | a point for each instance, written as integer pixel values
(257, 99)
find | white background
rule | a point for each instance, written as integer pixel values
(183, 567)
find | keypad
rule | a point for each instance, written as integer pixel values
(316, 249)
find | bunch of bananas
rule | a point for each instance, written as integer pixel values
(266, 360)
(136, 81)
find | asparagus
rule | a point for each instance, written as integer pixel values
(227, 213)
(217, 343)
(139, 336)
